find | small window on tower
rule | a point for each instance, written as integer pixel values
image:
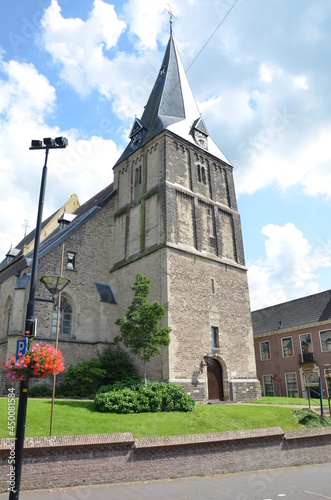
(71, 260)
(137, 176)
(214, 337)
(203, 175)
(199, 173)
(212, 286)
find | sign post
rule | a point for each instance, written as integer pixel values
(21, 347)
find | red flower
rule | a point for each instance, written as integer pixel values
(40, 360)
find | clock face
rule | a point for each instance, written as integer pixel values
(200, 139)
(136, 140)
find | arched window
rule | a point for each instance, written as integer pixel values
(9, 318)
(199, 173)
(137, 177)
(65, 319)
(203, 175)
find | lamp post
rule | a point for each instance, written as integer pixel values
(46, 144)
(55, 285)
(328, 383)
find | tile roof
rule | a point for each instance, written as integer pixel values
(299, 312)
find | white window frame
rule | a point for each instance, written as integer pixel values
(265, 359)
(311, 343)
(290, 355)
(273, 385)
(286, 382)
(329, 344)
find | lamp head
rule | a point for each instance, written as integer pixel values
(62, 142)
(49, 142)
(36, 144)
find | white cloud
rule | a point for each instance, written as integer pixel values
(78, 46)
(307, 165)
(288, 269)
(300, 82)
(266, 73)
(84, 167)
(146, 19)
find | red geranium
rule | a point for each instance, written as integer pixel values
(39, 361)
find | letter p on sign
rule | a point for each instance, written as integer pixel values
(21, 347)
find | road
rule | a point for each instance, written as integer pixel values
(293, 483)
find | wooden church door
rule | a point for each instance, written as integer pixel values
(215, 381)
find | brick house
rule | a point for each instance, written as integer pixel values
(292, 344)
(171, 214)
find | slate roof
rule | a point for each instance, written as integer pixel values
(83, 213)
(171, 105)
(299, 312)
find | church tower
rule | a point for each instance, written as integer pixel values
(176, 221)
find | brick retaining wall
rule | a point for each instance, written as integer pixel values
(108, 458)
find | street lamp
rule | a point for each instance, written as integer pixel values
(55, 285)
(46, 144)
(207, 359)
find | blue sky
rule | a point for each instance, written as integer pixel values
(84, 69)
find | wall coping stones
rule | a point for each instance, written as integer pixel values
(308, 433)
(80, 440)
(207, 438)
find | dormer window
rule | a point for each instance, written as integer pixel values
(12, 253)
(65, 219)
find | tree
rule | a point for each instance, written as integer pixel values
(140, 328)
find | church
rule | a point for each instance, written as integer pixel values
(170, 214)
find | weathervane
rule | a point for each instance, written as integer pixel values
(171, 16)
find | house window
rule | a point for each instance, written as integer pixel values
(71, 264)
(65, 318)
(325, 338)
(306, 348)
(291, 385)
(287, 347)
(214, 337)
(327, 375)
(268, 385)
(265, 350)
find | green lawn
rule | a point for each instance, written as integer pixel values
(273, 400)
(80, 417)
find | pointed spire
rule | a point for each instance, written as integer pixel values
(171, 106)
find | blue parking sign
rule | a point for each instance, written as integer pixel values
(21, 347)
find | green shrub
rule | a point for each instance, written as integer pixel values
(129, 382)
(40, 391)
(153, 397)
(310, 419)
(82, 380)
(113, 365)
(117, 364)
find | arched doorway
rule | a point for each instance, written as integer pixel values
(215, 381)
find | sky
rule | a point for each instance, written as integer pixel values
(260, 72)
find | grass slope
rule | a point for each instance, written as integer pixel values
(80, 417)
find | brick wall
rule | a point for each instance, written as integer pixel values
(77, 460)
